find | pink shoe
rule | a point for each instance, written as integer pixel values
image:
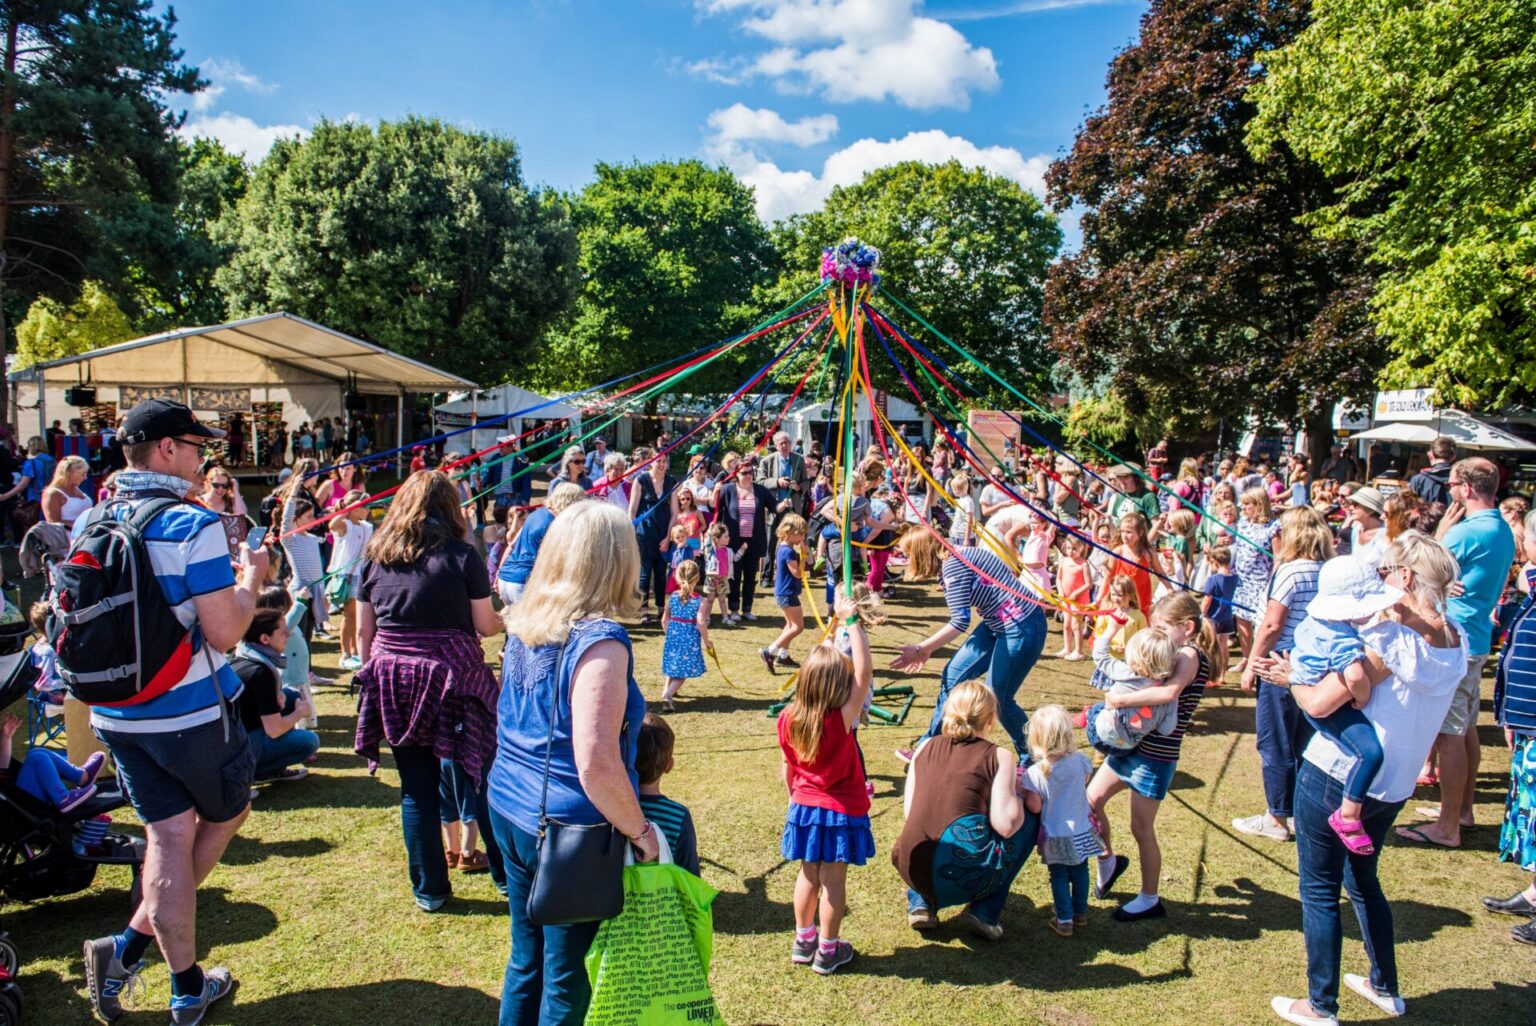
(1352, 834)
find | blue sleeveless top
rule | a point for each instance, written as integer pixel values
(522, 716)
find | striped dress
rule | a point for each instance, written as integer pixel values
(1165, 747)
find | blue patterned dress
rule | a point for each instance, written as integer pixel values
(682, 656)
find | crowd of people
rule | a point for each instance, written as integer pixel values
(1361, 622)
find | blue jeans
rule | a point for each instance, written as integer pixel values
(1348, 728)
(45, 773)
(1325, 865)
(275, 754)
(1281, 732)
(1006, 659)
(420, 821)
(988, 907)
(546, 980)
(455, 794)
(1069, 890)
(653, 574)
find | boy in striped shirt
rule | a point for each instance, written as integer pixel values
(653, 760)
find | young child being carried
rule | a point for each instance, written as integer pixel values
(1148, 661)
(1349, 594)
(653, 760)
(48, 776)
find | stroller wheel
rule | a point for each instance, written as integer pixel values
(10, 958)
(11, 1005)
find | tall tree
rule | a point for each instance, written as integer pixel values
(670, 255)
(965, 248)
(212, 182)
(1427, 110)
(416, 235)
(88, 162)
(1197, 293)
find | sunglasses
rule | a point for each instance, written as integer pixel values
(221, 485)
(1386, 571)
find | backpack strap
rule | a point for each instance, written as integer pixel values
(141, 517)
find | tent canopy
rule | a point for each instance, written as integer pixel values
(1466, 430)
(274, 349)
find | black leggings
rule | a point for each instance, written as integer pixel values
(743, 587)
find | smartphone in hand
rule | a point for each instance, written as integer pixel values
(257, 536)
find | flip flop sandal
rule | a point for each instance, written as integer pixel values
(1417, 836)
(1352, 834)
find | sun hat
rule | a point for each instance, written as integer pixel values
(1123, 470)
(1368, 498)
(1349, 588)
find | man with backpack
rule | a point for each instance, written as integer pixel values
(181, 751)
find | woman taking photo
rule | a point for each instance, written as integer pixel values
(423, 605)
(745, 507)
(1416, 659)
(63, 501)
(569, 721)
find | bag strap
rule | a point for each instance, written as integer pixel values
(549, 744)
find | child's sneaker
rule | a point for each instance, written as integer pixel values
(1063, 927)
(827, 962)
(768, 659)
(803, 952)
(92, 768)
(76, 797)
(189, 1009)
(788, 662)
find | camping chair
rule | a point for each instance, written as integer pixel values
(45, 721)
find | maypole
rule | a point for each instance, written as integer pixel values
(850, 266)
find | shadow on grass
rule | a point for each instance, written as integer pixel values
(750, 911)
(724, 704)
(386, 1001)
(1452, 1006)
(220, 920)
(248, 851)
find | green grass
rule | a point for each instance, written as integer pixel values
(312, 910)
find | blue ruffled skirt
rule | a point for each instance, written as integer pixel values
(821, 835)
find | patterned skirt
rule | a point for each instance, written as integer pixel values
(1517, 840)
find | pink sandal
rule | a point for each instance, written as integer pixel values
(1352, 834)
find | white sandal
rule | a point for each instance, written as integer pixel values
(1282, 1007)
(1393, 1006)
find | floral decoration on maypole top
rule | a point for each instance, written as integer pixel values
(851, 262)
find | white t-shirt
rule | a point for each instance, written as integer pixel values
(347, 550)
(1063, 795)
(1406, 708)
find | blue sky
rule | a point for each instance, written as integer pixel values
(794, 95)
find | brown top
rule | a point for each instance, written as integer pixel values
(954, 779)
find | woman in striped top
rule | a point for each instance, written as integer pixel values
(1004, 646)
(1148, 768)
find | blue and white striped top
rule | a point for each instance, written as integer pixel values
(190, 557)
(1514, 690)
(965, 589)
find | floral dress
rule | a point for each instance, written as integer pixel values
(682, 655)
(1252, 566)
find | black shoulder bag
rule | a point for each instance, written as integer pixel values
(579, 877)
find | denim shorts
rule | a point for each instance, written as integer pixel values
(787, 601)
(1147, 777)
(164, 775)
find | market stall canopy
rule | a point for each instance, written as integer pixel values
(275, 349)
(1466, 430)
(463, 409)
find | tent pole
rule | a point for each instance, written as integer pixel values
(399, 431)
(42, 405)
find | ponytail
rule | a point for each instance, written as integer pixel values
(1183, 607)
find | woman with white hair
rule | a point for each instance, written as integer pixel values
(1416, 658)
(569, 723)
(614, 487)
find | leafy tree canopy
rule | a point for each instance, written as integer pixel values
(1197, 294)
(52, 330)
(417, 235)
(965, 248)
(1427, 110)
(670, 255)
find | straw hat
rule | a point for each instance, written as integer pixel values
(1368, 498)
(1350, 588)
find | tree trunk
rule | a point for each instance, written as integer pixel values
(7, 162)
(1319, 428)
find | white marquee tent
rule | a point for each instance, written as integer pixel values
(276, 357)
(1467, 431)
(462, 410)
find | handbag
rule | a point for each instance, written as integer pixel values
(338, 590)
(579, 874)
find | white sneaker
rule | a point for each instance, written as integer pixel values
(1282, 1007)
(1261, 826)
(1393, 1005)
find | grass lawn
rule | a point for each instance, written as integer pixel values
(312, 910)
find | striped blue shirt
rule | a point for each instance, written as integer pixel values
(190, 557)
(966, 589)
(1514, 690)
(1294, 586)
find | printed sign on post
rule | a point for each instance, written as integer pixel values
(1406, 404)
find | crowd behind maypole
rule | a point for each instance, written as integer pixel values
(1361, 621)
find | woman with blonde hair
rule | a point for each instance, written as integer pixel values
(63, 501)
(962, 808)
(1255, 529)
(1303, 545)
(423, 604)
(568, 724)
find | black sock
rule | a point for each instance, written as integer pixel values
(188, 982)
(134, 944)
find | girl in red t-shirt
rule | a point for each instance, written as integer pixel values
(828, 822)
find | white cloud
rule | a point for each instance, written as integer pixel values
(1007, 10)
(221, 74)
(781, 192)
(849, 50)
(739, 123)
(239, 134)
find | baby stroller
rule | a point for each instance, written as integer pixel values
(37, 853)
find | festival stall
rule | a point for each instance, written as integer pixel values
(245, 367)
(503, 405)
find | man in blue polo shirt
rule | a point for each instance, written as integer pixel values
(1484, 548)
(525, 547)
(183, 757)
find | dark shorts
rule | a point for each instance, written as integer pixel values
(164, 775)
(787, 601)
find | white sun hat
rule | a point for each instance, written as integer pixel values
(1350, 588)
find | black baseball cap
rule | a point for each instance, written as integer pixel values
(154, 419)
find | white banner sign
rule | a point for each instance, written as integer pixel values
(1406, 404)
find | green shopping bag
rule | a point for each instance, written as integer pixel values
(649, 965)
